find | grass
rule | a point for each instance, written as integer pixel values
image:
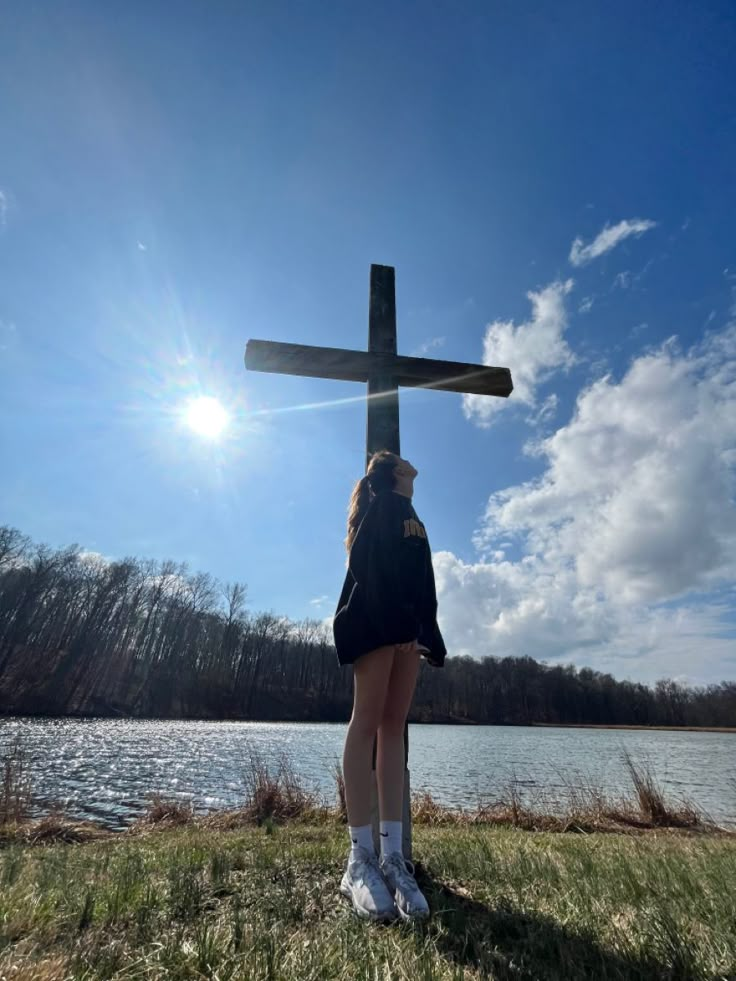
(262, 903)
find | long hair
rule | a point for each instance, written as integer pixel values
(379, 476)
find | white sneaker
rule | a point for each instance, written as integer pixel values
(399, 875)
(364, 885)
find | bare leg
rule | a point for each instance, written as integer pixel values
(390, 755)
(371, 674)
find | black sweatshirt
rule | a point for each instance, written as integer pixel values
(388, 596)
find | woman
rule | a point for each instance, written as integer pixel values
(386, 620)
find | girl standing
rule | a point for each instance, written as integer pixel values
(386, 620)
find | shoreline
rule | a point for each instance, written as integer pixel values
(637, 728)
(166, 816)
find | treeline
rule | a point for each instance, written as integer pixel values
(82, 636)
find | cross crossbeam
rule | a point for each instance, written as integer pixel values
(358, 366)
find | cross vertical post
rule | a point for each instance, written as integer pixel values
(382, 433)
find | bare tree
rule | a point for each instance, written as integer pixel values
(82, 634)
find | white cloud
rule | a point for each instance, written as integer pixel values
(427, 346)
(532, 351)
(546, 411)
(3, 208)
(607, 239)
(93, 559)
(628, 538)
(586, 305)
(622, 281)
(319, 600)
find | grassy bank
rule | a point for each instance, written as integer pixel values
(261, 902)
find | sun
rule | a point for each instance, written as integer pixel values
(206, 416)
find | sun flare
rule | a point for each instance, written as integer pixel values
(206, 416)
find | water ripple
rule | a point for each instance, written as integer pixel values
(107, 769)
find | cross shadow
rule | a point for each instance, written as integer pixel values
(507, 944)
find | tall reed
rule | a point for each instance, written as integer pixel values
(15, 786)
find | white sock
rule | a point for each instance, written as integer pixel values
(391, 838)
(361, 837)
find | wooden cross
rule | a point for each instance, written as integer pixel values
(384, 370)
(380, 366)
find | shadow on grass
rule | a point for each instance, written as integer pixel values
(505, 943)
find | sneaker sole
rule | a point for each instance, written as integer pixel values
(412, 917)
(366, 914)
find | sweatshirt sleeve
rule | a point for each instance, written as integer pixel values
(388, 559)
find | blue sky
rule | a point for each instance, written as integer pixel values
(556, 190)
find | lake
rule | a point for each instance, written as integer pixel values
(105, 769)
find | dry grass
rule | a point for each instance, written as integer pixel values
(162, 810)
(588, 809)
(620, 818)
(278, 794)
(51, 828)
(272, 794)
(653, 804)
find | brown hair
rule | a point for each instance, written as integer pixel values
(379, 477)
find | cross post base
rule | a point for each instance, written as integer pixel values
(405, 817)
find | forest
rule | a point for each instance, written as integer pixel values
(83, 636)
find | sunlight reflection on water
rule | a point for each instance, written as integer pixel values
(106, 769)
